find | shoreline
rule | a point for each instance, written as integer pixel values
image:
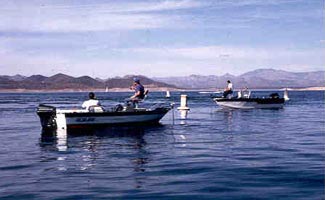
(151, 90)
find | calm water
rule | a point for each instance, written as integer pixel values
(214, 154)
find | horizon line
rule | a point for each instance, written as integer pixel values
(121, 76)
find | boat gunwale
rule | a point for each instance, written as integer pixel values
(119, 124)
(120, 113)
(257, 100)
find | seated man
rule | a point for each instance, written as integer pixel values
(245, 93)
(138, 91)
(91, 103)
(228, 90)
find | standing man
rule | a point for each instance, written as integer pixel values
(228, 90)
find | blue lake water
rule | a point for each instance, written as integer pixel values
(213, 154)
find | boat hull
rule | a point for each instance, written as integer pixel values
(251, 103)
(118, 118)
(52, 118)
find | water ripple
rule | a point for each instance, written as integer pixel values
(214, 154)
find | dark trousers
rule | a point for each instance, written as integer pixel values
(136, 101)
(225, 93)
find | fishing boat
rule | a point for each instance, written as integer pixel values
(247, 102)
(54, 118)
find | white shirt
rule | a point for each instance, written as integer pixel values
(229, 86)
(90, 102)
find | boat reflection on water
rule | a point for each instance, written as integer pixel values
(53, 139)
(59, 137)
(121, 148)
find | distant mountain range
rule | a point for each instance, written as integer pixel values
(258, 79)
(65, 82)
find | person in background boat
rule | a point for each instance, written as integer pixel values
(245, 93)
(92, 102)
(138, 90)
(228, 90)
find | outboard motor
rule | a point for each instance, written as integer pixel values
(274, 96)
(47, 116)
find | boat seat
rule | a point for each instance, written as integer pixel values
(96, 109)
(145, 95)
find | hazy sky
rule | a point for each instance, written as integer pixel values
(160, 38)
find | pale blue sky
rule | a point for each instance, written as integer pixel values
(160, 38)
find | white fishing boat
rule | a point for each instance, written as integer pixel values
(247, 102)
(52, 117)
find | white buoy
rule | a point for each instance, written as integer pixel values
(183, 108)
(167, 94)
(183, 103)
(183, 114)
(285, 95)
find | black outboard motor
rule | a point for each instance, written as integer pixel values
(47, 116)
(274, 95)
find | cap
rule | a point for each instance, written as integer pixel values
(136, 80)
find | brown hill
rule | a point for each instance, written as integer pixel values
(126, 81)
(6, 83)
(64, 82)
